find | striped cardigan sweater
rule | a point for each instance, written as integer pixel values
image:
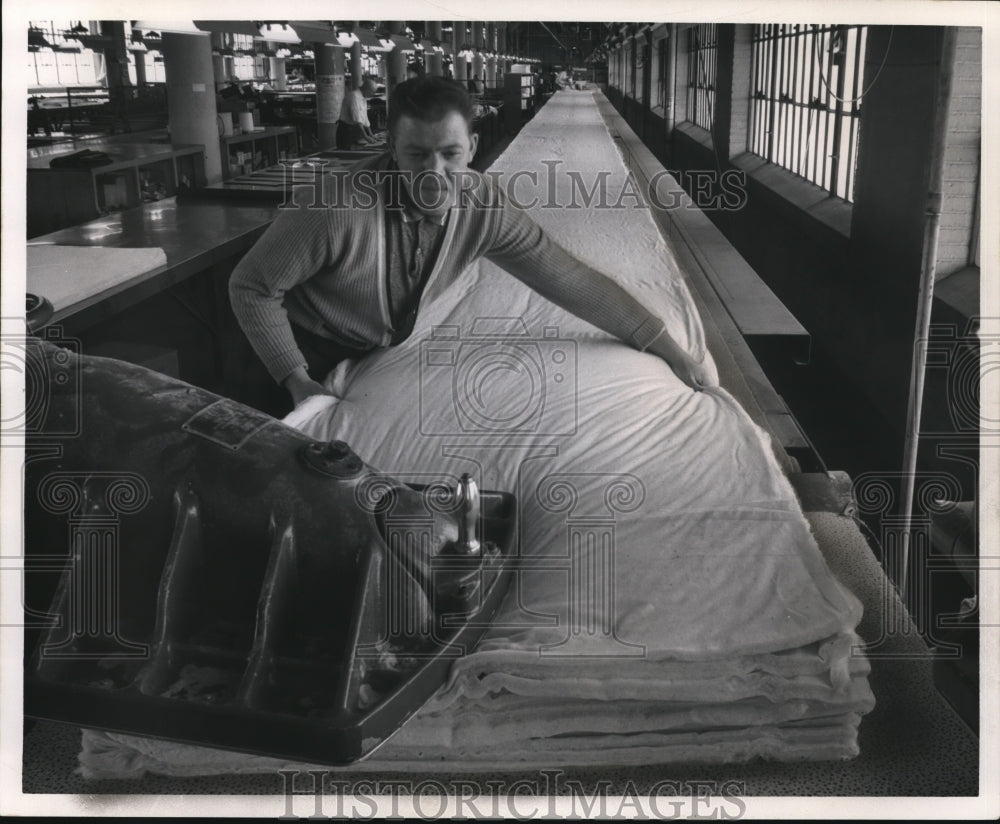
(324, 269)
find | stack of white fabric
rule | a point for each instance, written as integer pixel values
(674, 605)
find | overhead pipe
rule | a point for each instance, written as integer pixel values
(928, 272)
(671, 82)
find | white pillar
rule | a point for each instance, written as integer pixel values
(329, 92)
(191, 111)
(276, 68)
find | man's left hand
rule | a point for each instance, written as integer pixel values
(697, 375)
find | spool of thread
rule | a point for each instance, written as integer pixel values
(246, 121)
(227, 122)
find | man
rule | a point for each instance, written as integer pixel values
(353, 126)
(323, 284)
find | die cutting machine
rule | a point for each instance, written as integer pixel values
(229, 581)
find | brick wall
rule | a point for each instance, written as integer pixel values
(961, 172)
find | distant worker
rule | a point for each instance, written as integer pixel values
(353, 126)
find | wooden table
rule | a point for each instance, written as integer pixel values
(195, 235)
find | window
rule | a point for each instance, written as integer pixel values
(57, 32)
(702, 51)
(661, 71)
(630, 69)
(805, 101)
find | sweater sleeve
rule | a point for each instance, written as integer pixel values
(293, 249)
(520, 246)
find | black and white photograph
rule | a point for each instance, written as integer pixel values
(500, 418)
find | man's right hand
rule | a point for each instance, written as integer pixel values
(300, 386)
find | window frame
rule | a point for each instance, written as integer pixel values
(805, 101)
(702, 73)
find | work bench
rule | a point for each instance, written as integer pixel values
(175, 307)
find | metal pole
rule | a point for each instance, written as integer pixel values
(932, 217)
(671, 81)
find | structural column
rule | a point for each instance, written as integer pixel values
(491, 72)
(276, 69)
(329, 92)
(140, 68)
(396, 59)
(433, 64)
(191, 111)
(478, 66)
(433, 61)
(356, 70)
(116, 59)
(458, 41)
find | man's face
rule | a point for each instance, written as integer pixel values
(430, 154)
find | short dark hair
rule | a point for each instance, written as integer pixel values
(428, 98)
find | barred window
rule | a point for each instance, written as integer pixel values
(56, 32)
(662, 72)
(805, 102)
(630, 69)
(702, 51)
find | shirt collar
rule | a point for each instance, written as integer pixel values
(411, 214)
(409, 211)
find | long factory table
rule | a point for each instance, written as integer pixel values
(912, 744)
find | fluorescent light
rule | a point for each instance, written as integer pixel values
(315, 31)
(279, 33)
(170, 26)
(228, 27)
(402, 43)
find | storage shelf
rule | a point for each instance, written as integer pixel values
(138, 172)
(250, 151)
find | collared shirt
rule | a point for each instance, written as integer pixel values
(354, 109)
(413, 241)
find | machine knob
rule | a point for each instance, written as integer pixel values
(468, 516)
(334, 458)
(338, 450)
